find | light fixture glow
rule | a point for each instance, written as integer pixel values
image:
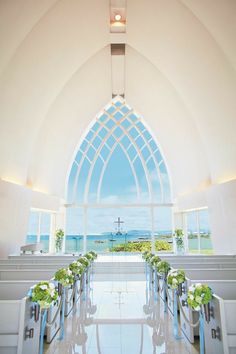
(117, 17)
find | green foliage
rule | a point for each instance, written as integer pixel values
(64, 276)
(77, 268)
(163, 267)
(94, 254)
(59, 235)
(142, 247)
(175, 278)
(44, 293)
(84, 261)
(89, 256)
(199, 294)
(154, 260)
(178, 233)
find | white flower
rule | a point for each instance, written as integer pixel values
(43, 287)
(191, 288)
(197, 308)
(175, 281)
(51, 286)
(191, 297)
(198, 285)
(67, 280)
(198, 299)
(69, 272)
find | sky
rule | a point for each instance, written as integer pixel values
(121, 137)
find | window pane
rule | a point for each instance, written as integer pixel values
(192, 231)
(74, 227)
(33, 227)
(205, 234)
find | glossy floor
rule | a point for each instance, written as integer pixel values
(119, 318)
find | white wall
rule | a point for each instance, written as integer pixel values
(15, 204)
(222, 212)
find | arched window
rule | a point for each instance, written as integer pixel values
(118, 164)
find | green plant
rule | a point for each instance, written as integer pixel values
(89, 256)
(163, 267)
(77, 268)
(94, 254)
(64, 276)
(175, 278)
(44, 293)
(84, 261)
(142, 246)
(154, 260)
(179, 238)
(59, 235)
(199, 294)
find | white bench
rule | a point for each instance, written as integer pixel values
(19, 328)
(215, 279)
(220, 332)
(20, 288)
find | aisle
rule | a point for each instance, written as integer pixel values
(116, 319)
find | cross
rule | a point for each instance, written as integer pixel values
(118, 222)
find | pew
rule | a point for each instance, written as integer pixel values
(218, 280)
(21, 288)
(20, 321)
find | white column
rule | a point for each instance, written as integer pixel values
(85, 222)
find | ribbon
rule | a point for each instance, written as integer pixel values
(155, 285)
(201, 332)
(42, 329)
(84, 285)
(164, 294)
(62, 319)
(175, 320)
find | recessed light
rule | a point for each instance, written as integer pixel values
(117, 17)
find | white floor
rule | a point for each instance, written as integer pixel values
(118, 318)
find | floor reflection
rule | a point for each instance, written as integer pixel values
(119, 318)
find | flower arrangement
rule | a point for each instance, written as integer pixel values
(94, 254)
(199, 294)
(154, 260)
(147, 256)
(84, 261)
(179, 238)
(44, 293)
(64, 276)
(163, 267)
(77, 268)
(89, 256)
(175, 278)
(59, 235)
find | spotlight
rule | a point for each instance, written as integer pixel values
(117, 17)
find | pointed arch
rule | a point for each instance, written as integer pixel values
(119, 125)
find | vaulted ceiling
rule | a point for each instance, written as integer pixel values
(56, 75)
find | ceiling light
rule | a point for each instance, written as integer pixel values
(117, 17)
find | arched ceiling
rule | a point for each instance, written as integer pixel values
(55, 75)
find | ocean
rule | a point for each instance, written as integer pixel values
(102, 243)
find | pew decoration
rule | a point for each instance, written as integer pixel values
(64, 276)
(154, 260)
(77, 268)
(175, 278)
(84, 261)
(198, 295)
(163, 267)
(44, 293)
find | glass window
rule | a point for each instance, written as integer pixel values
(118, 115)
(126, 123)
(74, 230)
(205, 233)
(192, 227)
(111, 141)
(103, 117)
(110, 124)
(118, 132)
(102, 133)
